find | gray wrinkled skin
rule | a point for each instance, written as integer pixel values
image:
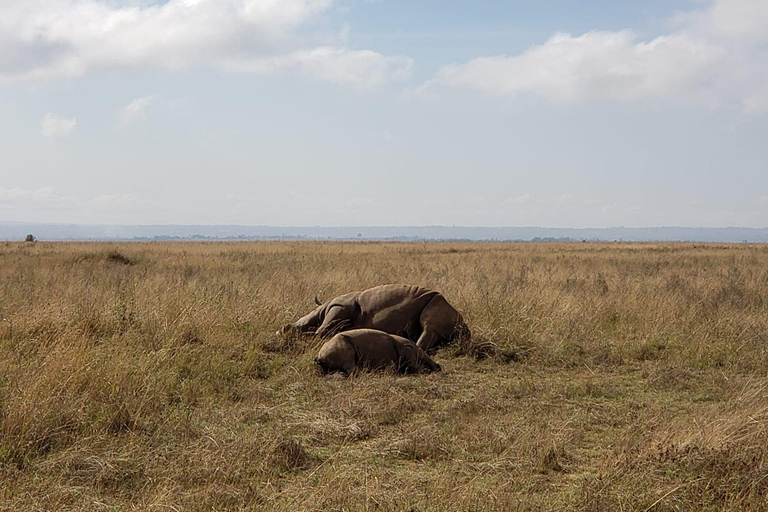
(369, 349)
(413, 312)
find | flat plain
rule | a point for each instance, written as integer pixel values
(147, 376)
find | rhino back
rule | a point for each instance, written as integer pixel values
(375, 349)
(393, 307)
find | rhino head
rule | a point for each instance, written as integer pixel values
(307, 324)
(326, 320)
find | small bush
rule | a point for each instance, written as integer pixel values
(118, 257)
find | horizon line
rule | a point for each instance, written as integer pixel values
(375, 226)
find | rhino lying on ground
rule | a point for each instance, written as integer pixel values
(369, 349)
(413, 312)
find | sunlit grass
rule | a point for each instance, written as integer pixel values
(600, 377)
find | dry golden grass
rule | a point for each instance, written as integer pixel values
(600, 377)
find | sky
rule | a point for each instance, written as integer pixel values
(550, 113)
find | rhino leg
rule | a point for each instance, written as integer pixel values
(429, 363)
(348, 368)
(338, 318)
(412, 358)
(438, 322)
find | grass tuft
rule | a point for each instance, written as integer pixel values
(290, 455)
(118, 257)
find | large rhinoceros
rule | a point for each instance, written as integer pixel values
(369, 349)
(413, 312)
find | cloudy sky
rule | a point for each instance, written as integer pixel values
(385, 112)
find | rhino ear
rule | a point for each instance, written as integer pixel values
(317, 301)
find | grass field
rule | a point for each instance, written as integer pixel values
(600, 377)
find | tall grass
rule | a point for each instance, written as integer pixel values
(600, 377)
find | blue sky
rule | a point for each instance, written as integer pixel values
(388, 112)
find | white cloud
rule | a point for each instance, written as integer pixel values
(134, 110)
(54, 127)
(713, 59)
(739, 20)
(20, 194)
(521, 199)
(364, 68)
(42, 39)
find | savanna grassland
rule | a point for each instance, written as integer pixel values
(600, 377)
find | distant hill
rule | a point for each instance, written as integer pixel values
(16, 231)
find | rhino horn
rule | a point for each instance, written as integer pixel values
(317, 301)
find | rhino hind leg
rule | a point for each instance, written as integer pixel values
(422, 362)
(413, 359)
(430, 364)
(439, 321)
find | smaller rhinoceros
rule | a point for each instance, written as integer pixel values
(369, 349)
